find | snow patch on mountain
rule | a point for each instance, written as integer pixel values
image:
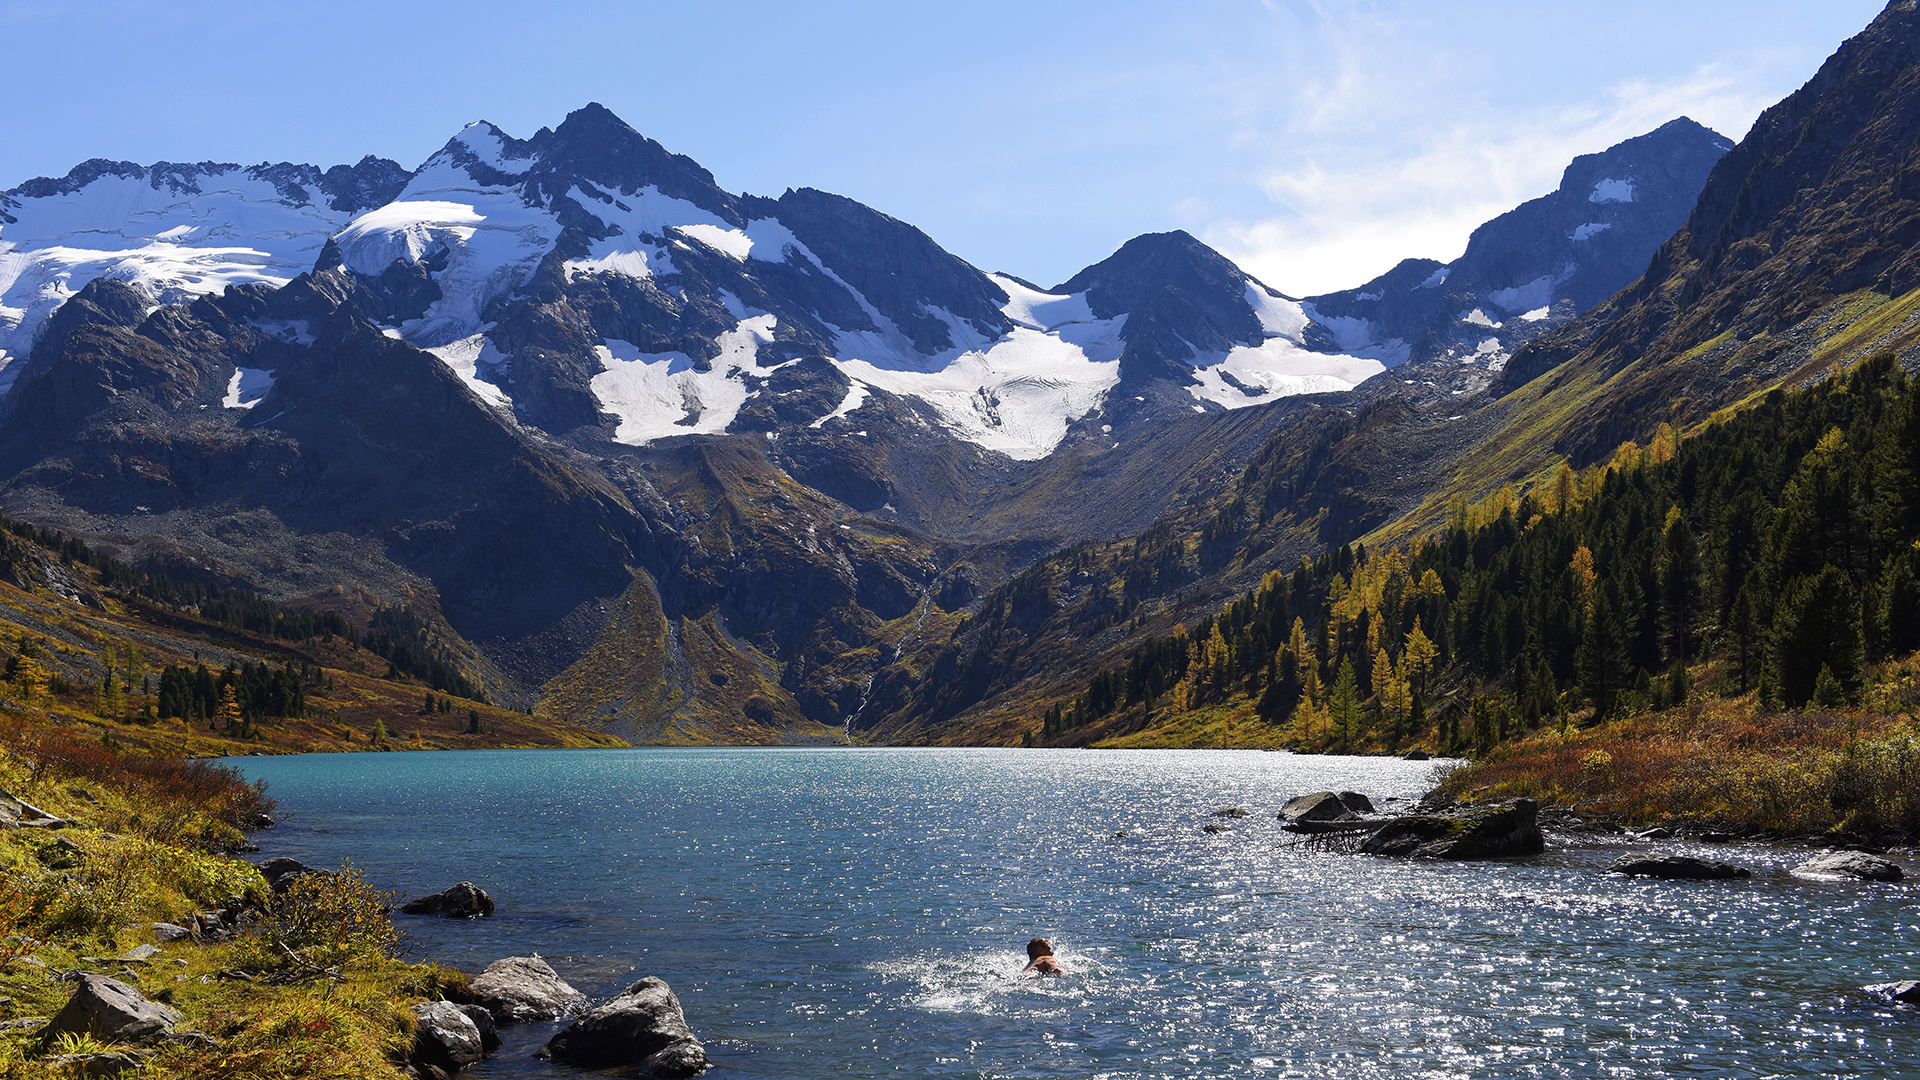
(1587, 231)
(1277, 314)
(1037, 310)
(1435, 279)
(1017, 395)
(494, 241)
(247, 387)
(857, 395)
(1612, 191)
(1257, 374)
(238, 229)
(1534, 294)
(657, 395)
(475, 360)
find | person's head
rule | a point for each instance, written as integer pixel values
(1039, 947)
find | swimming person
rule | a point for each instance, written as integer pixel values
(1040, 959)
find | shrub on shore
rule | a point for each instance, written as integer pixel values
(1731, 761)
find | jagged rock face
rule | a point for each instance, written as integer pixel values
(1817, 202)
(1538, 265)
(1179, 296)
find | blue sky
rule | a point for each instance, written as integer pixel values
(1317, 143)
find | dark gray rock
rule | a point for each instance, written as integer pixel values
(1230, 811)
(1319, 806)
(1217, 827)
(108, 1010)
(167, 931)
(108, 1064)
(642, 1027)
(445, 1037)
(483, 1020)
(1676, 866)
(282, 873)
(464, 900)
(525, 990)
(1906, 991)
(1417, 755)
(1486, 831)
(1852, 864)
(1356, 802)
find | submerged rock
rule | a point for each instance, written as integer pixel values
(1217, 827)
(1852, 864)
(642, 1027)
(464, 900)
(1231, 811)
(1906, 991)
(1486, 831)
(525, 990)
(1676, 866)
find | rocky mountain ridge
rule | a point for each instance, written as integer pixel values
(692, 465)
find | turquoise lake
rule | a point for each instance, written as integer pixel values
(835, 912)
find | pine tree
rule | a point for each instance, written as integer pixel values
(1817, 626)
(1602, 658)
(228, 718)
(1345, 702)
(1416, 658)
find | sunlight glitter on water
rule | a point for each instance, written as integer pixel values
(861, 913)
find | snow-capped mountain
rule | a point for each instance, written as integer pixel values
(1536, 266)
(596, 407)
(593, 282)
(178, 230)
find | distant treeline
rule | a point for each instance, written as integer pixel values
(395, 634)
(1780, 543)
(182, 587)
(406, 642)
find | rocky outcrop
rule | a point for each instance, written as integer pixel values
(110, 1011)
(1851, 864)
(525, 990)
(445, 1037)
(1676, 866)
(643, 1027)
(1487, 831)
(463, 900)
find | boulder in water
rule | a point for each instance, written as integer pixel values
(1852, 864)
(642, 1027)
(1486, 831)
(1676, 866)
(463, 900)
(1319, 806)
(1356, 802)
(525, 990)
(1906, 991)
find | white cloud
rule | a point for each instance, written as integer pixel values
(1390, 140)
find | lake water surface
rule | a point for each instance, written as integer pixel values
(862, 912)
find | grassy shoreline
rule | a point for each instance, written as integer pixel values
(300, 985)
